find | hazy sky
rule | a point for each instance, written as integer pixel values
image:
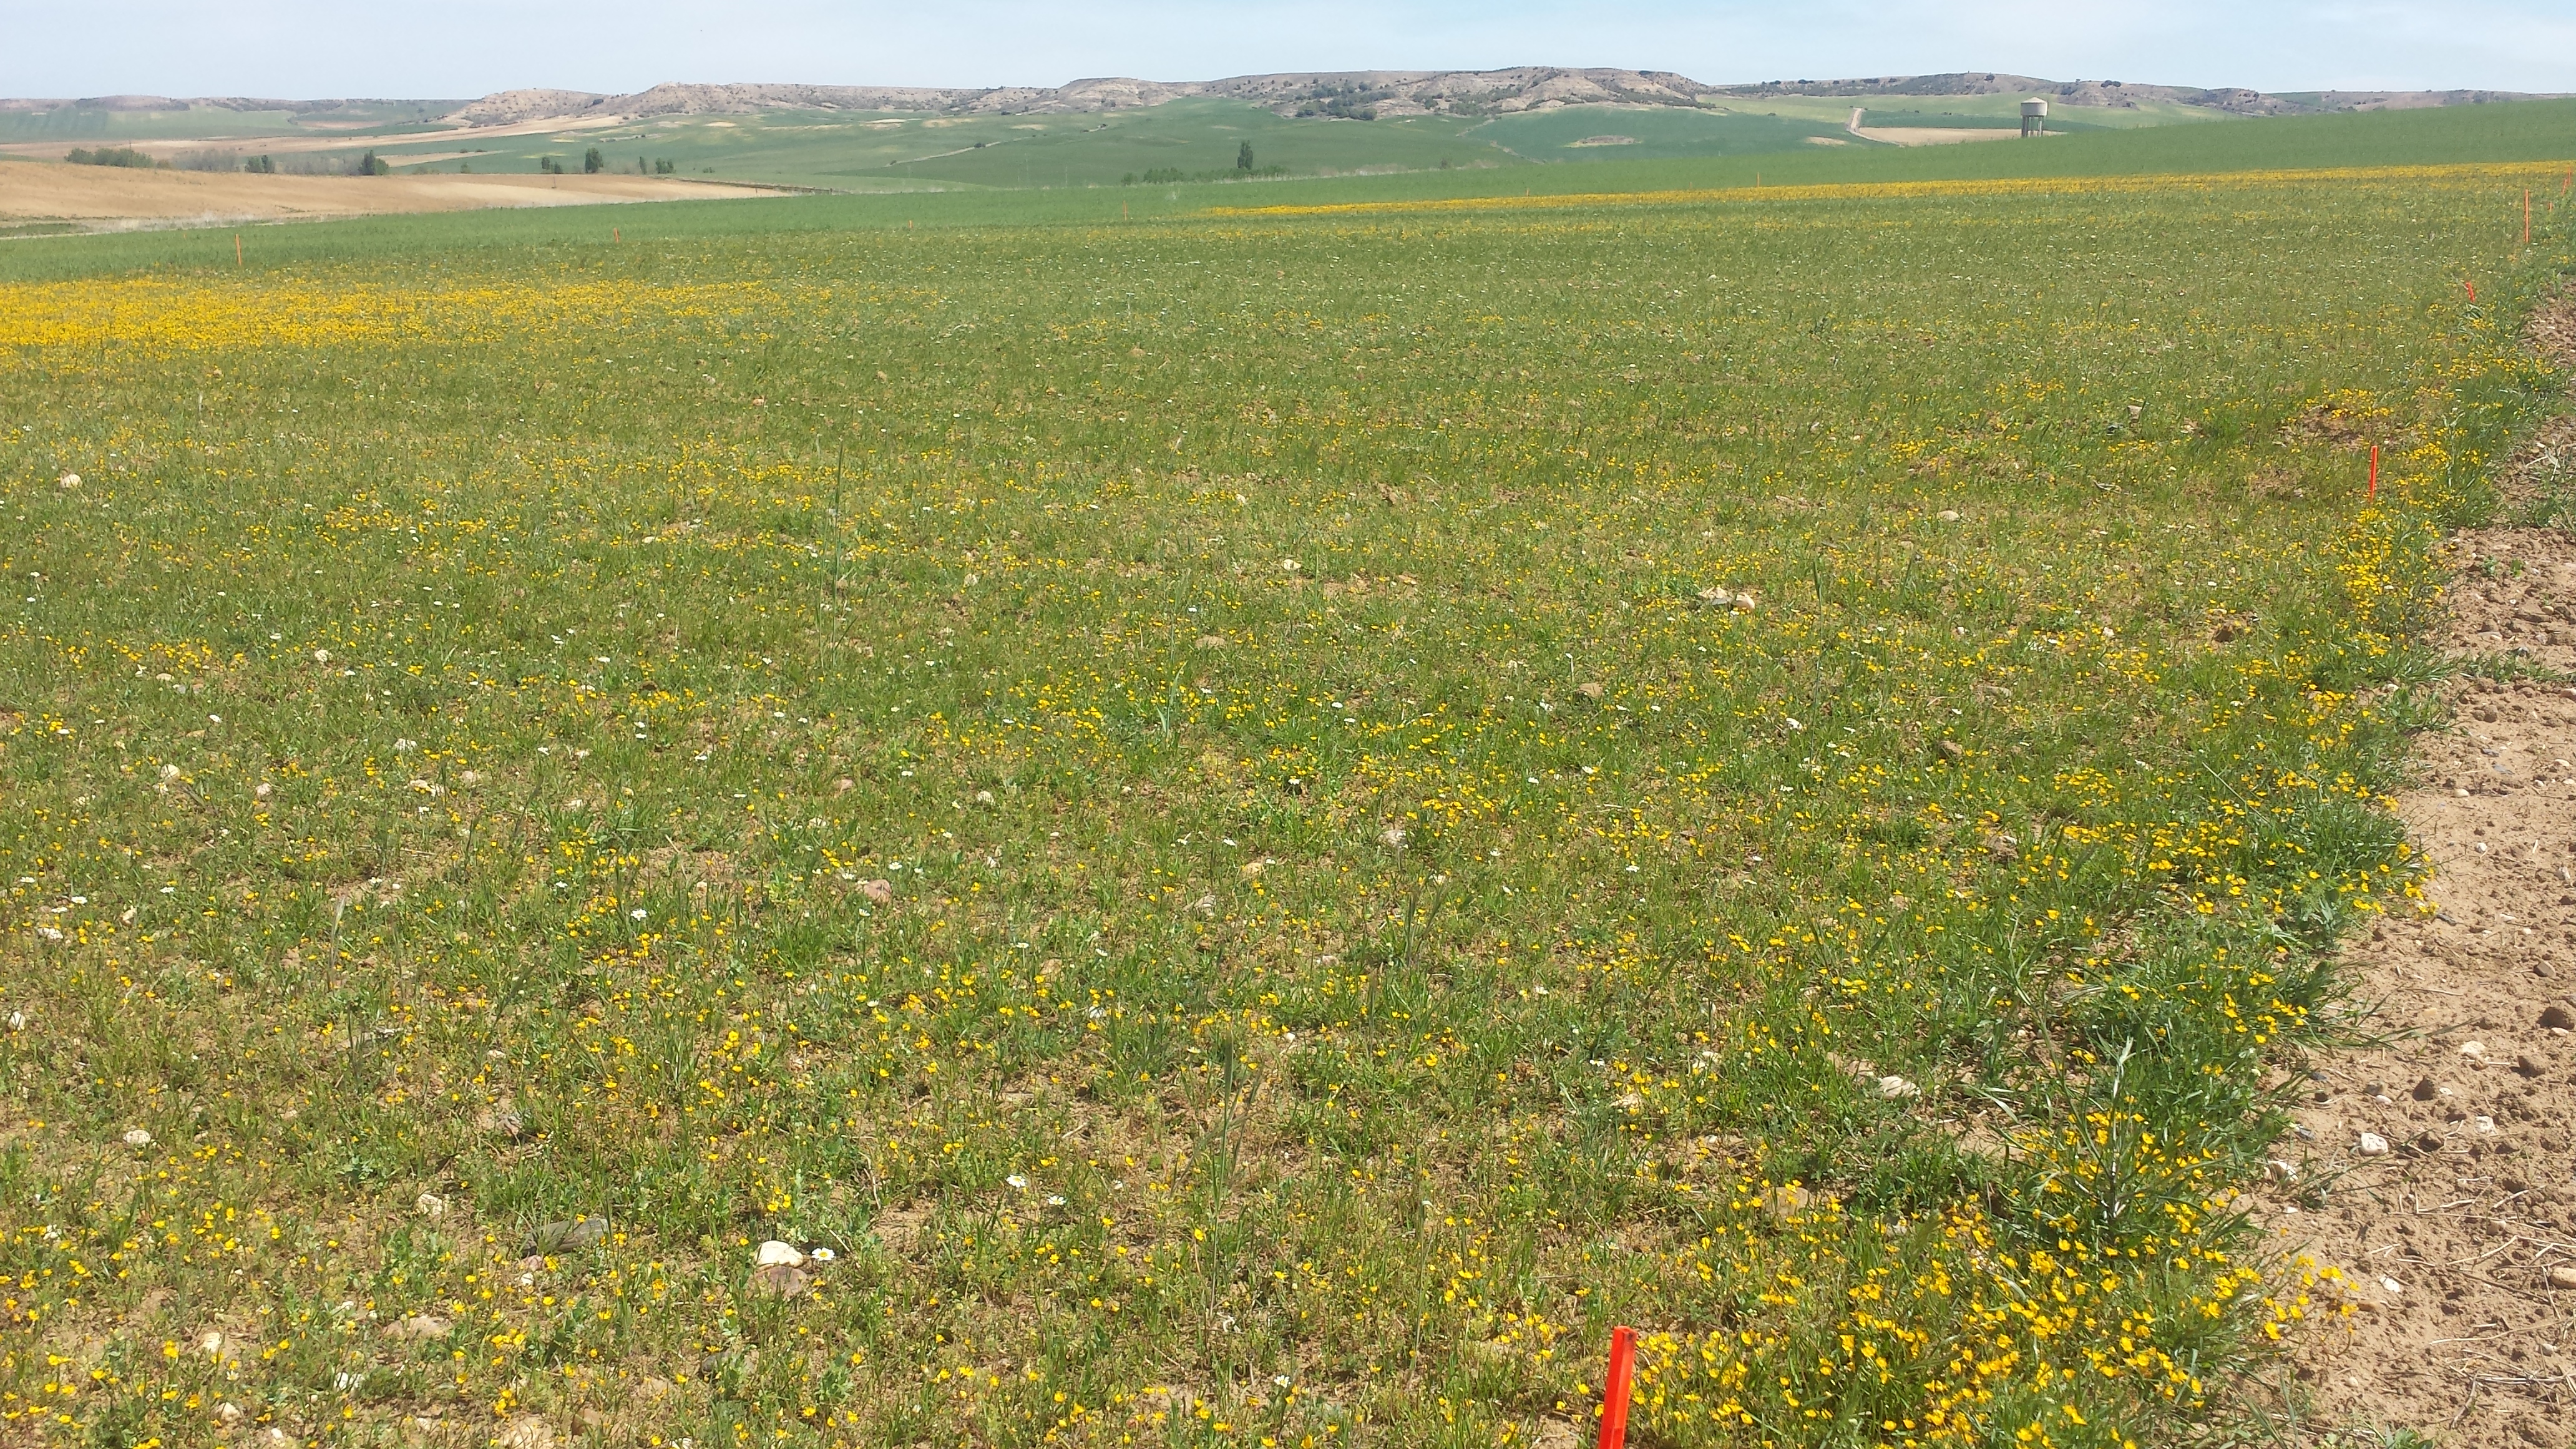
(460, 48)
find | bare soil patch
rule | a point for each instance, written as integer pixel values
(107, 198)
(1932, 135)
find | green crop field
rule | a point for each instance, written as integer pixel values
(1234, 828)
(908, 151)
(77, 123)
(1195, 137)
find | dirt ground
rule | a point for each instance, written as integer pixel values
(2436, 1169)
(1933, 135)
(108, 198)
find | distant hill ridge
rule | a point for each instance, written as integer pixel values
(1381, 92)
(1364, 93)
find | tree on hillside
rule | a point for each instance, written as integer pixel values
(372, 164)
(592, 163)
(1243, 157)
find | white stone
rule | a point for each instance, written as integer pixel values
(775, 1254)
(2373, 1145)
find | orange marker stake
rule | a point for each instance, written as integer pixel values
(1614, 1393)
(237, 261)
(2374, 472)
(615, 234)
(2472, 286)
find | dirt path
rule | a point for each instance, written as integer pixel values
(106, 198)
(2438, 1170)
(1923, 135)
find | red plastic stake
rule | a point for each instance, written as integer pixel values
(1614, 1392)
(2374, 470)
(2472, 286)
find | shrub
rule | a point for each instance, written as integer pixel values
(372, 164)
(111, 156)
(1166, 175)
(592, 163)
(260, 165)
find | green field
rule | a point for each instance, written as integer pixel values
(1260, 824)
(840, 151)
(1998, 111)
(914, 151)
(358, 118)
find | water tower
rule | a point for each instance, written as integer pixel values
(2034, 118)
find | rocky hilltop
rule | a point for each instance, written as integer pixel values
(1377, 92)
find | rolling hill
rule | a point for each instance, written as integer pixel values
(1108, 131)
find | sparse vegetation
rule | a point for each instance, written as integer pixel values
(1342, 100)
(1167, 175)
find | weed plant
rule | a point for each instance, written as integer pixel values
(1259, 826)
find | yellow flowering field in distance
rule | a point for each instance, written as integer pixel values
(1239, 830)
